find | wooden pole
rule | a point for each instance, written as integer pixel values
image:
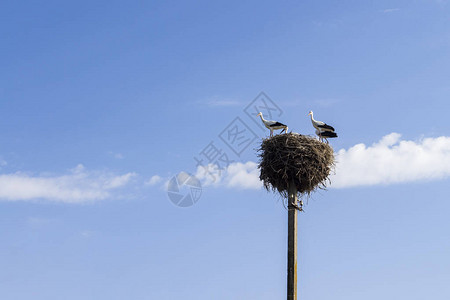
(292, 243)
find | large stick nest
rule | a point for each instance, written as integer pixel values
(303, 159)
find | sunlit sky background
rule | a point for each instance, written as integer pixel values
(102, 102)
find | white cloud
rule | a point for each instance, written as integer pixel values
(154, 180)
(209, 175)
(244, 176)
(392, 160)
(236, 175)
(388, 161)
(80, 185)
(118, 181)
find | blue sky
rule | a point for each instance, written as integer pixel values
(102, 103)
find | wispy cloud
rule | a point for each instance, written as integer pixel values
(87, 234)
(328, 102)
(224, 103)
(390, 10)
(327, 23)
(220, 102)
(38, 222)
(388, 161)
(323, 102)
(117, 181)
(116, 155)
(79, 185)
(155, 179)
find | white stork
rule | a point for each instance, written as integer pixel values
(323, 130)
(319, 125)
(272, 125)
(325, 135)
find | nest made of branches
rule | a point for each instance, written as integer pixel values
(292, 157)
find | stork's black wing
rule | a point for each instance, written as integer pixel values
(277, 124)
(326, 127)
(328, 134)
